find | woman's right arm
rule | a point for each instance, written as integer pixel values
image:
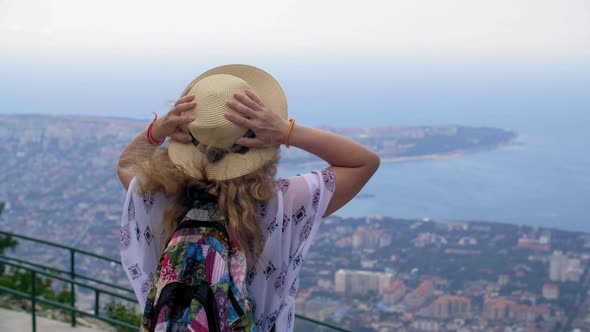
(171, 124)
(353, 164)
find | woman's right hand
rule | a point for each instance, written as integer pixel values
(173, 124)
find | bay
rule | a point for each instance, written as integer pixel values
(543, 180)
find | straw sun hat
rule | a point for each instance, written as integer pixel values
(213, 154)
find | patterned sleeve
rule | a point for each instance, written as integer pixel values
(141, 232)
(300, 204)
(305, 202)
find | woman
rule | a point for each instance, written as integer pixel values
(225, 132)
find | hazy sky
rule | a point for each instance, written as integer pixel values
(129, 57)
(431, 28)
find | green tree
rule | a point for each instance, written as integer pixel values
(21, 280)
(123, 313)
(6, 242)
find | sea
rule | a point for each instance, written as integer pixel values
(543, 179)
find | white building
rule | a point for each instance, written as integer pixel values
(562, 268)
(357, 282)
(365, 238)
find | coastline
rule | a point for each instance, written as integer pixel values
(433, 156)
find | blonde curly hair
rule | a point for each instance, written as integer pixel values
(238, 198)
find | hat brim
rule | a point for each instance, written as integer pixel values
(233, 165)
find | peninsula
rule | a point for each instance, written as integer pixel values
(396, 144)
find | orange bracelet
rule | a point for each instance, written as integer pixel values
(291, 124)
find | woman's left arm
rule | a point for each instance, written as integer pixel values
(170, 125)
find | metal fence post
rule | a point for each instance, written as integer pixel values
(33, 300)
(72, 287)
(96, 302)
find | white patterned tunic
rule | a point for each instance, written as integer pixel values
(289, 222)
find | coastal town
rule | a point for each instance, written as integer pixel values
(390, 274)
(59, 179)
(376, 273)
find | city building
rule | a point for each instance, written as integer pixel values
(551, 291)
(467, 241)
(528, 313)
(447, 306)
(505, 309)
(562, 268)
(358, 282)
(424, 239)
(497, 308)
(543, 243)
(394, 293)
(419, 296)
(503, 279)
(385, 239)
(454, 225)
(365, 238)
(427, 325)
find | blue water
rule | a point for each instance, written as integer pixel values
(544, 181)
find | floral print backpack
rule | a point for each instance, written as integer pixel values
(199, 284)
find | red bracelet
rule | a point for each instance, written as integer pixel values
(151, 138)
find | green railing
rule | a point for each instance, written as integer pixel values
(71, 308)
(73, 280)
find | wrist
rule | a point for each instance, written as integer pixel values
(287, 132)
(157, 132)
(156, 138)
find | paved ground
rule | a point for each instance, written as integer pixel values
(17, 321)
